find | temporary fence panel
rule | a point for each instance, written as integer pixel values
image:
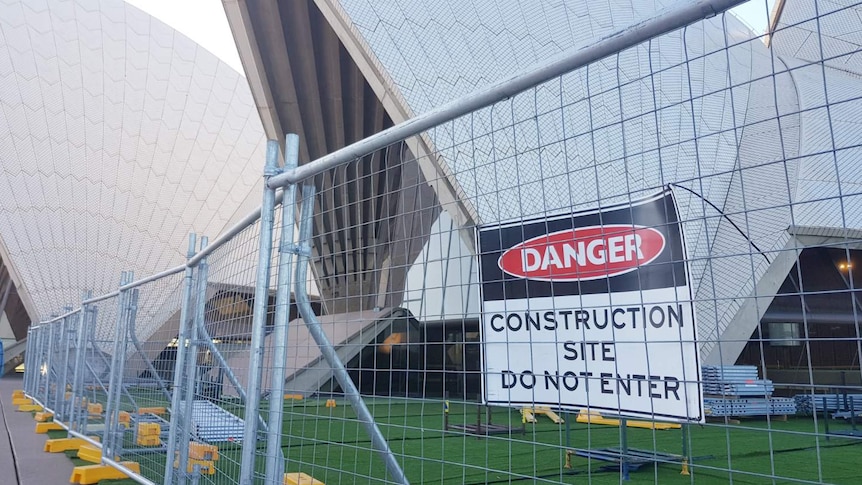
(102, 387)
(139, 418)
(627, 223)
(552, 286)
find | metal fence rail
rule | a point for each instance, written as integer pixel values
(360, 327)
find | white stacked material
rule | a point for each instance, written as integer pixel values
(729, 372)
(212, 423)
(735, 380)
(749, 407)
(808, 404)
(737, 390)
(757, 387)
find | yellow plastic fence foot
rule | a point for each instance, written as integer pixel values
(201, 451)
(330, 403)
(21, 401)
(29, 408)
(90, 453)
(149, 429)
(207, 467)
(125, 419)
(547, 412)
(42, 428)
(91, 474)
(18, 394)
(148, 434)
(43, 416)
(153, 410)
(300, 478)
(148, 441)
(684, 468)
(65, 444)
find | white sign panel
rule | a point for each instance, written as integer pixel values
(591, 310)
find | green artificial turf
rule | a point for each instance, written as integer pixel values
(333, 446)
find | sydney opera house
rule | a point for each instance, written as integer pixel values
(119, 136)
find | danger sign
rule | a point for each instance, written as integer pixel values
(591, 310)
(584, 253)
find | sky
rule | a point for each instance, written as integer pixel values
(755, 13)
(204, 22)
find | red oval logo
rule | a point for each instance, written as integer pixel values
(584, 253)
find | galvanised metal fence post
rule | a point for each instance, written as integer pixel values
(61, 363)
(191, 364)
(75, 393)
(261, 297)
(32, 362)
(89, 349)
(35, 362)
(28, 371)
(286, 250)
(44, 361)
(49, 397)
(303, 303)
(177, 420)
(66, 341)
(60, 350)
(129, 312)
(116, 381)
(54, 370)
(38, 360)
(45, 364)
(28, 357)
(41, 359)
(77, 401)
(49, 361)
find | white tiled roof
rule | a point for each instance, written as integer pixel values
(120, 137)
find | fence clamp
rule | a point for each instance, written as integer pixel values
(298, 249)
(272, 170)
